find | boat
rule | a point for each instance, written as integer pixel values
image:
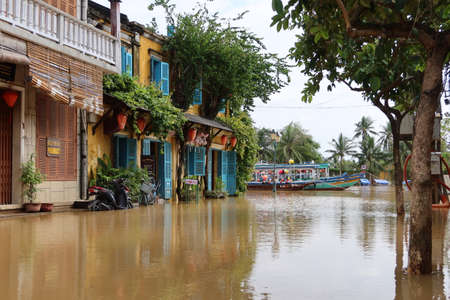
(298, 177)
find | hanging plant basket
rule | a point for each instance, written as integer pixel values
(10, 97)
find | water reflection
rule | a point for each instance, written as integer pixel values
(310, 245)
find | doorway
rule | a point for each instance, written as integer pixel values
(5, 153)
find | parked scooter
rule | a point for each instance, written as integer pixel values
(106, 199)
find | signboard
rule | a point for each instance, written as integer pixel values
(53, 147)
(191, 181)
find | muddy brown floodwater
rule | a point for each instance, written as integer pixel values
(302, 245)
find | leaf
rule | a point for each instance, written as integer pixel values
(317, 37)
(375, 83)
(277, 6)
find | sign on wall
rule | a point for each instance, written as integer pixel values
(53, 147)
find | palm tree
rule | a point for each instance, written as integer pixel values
(341, 147)
(296, 144)
(364, 128)
(386, 139)
(371, 155)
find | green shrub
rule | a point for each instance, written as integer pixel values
(30, 178)
(133, 177)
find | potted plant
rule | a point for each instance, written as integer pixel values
(30, 178)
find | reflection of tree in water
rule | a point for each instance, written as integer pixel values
(417, 287)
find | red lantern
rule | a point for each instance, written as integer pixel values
(121, 120)
(192, 133)
(233, 141)
(223, 140)
(141, 124)
(10, 97)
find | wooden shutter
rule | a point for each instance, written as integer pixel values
(224, 103)
(5, 153)
(146, 144)
(223, 168)
(165, 170)
(210, 171)
(198, 93)
(199, 167)
(67, 6)
(131, 153)
(156, 71)
(190, 160)
(129, 64)
(124, 59)
(231, 173)
(165, 78)
(58, 121)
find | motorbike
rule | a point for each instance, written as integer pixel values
(106, 199)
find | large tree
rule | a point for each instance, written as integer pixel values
(295, 143)
(340, 148)
(225, 64)
(364, 128)
(416, 29)
(265, 144)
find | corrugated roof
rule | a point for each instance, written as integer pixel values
(204, 121)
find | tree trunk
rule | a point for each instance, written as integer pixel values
(181, 166)
(398, 174)
(419, 253)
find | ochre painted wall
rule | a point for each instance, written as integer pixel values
(98, 145)
(144, 58)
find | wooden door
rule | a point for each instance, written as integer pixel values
(5, 153)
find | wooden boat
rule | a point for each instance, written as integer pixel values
(337, 183)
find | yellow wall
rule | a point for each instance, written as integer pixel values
(98, 145)
(144, 58)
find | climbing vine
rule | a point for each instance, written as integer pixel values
(246, 147)
(164, 117)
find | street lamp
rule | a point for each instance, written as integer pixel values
(275, 139)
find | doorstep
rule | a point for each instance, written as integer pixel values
(16, 210)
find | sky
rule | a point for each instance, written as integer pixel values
(329, 114)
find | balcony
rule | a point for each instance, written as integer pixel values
(45, 21)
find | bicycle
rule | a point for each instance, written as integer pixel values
(148, 192)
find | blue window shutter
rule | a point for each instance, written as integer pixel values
(129, 66)
(231, 173)
(190, 160)
(156, 71)
(165, 78)
(131, 153)
(161, 169)
(124, 59)
(210, 158)
(121, 152)
(146, 147)
(223, 168)
(198, 93)
(168, 170)
(199, 168)
(223, 101)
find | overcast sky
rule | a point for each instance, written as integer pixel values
(328, 115)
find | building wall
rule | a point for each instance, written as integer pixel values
(145, 56)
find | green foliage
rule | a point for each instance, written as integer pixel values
(341, 148)
(246, 147)
(364, 128)
(265, 144)
(296, 144)
(31, 177)
(164, 117)
(231, 62)
(445, 138)
(219, 186)
(371, 155)
(133, 177)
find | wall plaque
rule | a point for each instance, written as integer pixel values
(53, 147)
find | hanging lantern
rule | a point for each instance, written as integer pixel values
(10, 97)
(291, 161)
(223, 140)
(191, 134)
(141, 124)
(121, 120)
(233, 141)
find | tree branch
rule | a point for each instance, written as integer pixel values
(348, 25)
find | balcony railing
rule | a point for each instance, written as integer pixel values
(45, 20)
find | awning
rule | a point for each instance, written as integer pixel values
(206, 122)
(66, 79)
(11, 57)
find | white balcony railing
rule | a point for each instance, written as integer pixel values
(47, 21)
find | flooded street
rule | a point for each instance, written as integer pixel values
(304, 245)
